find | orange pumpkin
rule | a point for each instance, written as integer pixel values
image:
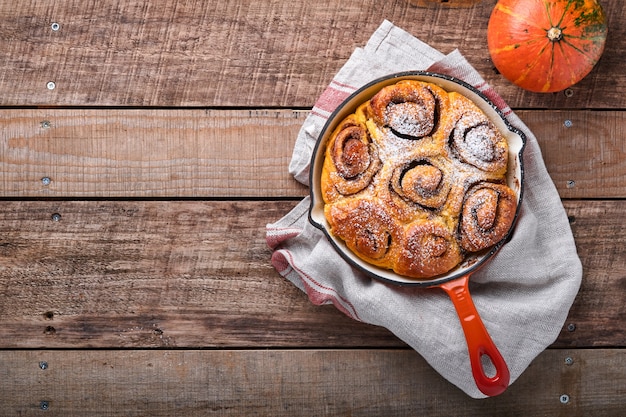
(546, 45)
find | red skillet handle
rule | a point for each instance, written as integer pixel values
(479, 342)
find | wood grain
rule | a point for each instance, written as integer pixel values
(148, 153)
(594, 224)
(295, 382)
(157, 274)
(183, 53)
(140, 274)
(113, 274)
(243, 153)
(584, 151)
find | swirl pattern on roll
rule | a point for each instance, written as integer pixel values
(415, 180)
(428, 249)
(354, 157)
(488, 212)
(422, 182)
(366, 227)
(476, 140)
(408, 108)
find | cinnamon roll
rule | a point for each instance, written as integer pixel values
(366, 227)
(474, 138)
(352, 158)
(425, 182)
(413, 180)
(409, 108)
(487, 215)
(428, 249)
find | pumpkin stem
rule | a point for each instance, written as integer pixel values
(555, 34)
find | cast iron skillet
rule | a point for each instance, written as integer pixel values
(455, 282)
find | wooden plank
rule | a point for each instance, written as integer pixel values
(198, 274)
(584, 151)
(295, 382)
(243, 153)
(148, 153)
(594, 225)
(196, 53)
(153, 273)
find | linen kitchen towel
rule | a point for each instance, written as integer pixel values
(523, 294)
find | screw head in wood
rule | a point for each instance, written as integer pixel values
(55, 26)
(51, 85)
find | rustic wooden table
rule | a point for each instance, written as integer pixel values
(143, 148)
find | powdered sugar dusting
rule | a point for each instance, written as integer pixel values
(479, 143)
(410, 119)
(407, 216)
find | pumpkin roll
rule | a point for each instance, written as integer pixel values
(351, 161)
(487, 215)
(428, 249)
(411, 109)
(425, 182)
(366, 227)
(475, 140)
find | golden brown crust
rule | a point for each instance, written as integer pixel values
(406, 108)
(474, 139)
(424, 181)
(488, 212)
(413, 180)
(351, 160)
(428, 249)
(367, 228)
